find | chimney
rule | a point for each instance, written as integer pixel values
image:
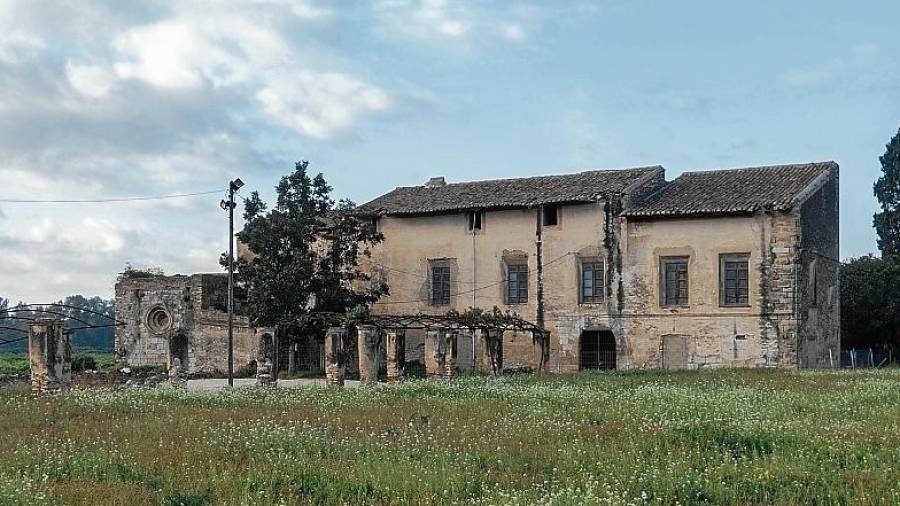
(436, 182)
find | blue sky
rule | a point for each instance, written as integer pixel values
(109, 98)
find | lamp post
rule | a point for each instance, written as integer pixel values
(229, 206)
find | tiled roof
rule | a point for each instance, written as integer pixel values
(587, 186)
(731, 191)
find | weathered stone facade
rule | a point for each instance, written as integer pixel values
(783, 220)
(184, 317)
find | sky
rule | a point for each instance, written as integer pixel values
(107, 99)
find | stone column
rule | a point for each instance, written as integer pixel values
(451, 342)
(369, 345)
(396, 354)
(335, 352)
(435, 364)
(50, 354)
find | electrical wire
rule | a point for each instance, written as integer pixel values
(110, 200)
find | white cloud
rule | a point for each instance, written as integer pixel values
(426, 18)
(93, 235)
(93, 81)
(18, 45)
(319, 105)
(513, 32)
(299, 8)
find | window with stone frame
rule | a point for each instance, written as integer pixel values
(734, 279)
(517, 283)
(674, 281)
(440, 285)
(593, 281)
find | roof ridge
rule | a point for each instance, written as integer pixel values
(523, 178)
(830, 163)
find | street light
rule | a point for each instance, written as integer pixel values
(229, 205)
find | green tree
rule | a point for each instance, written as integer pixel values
(870, 302)
(100, 338)
(304, 252)
(887, 190)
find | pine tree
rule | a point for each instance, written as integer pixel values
(887, 190)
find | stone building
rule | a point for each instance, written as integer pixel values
(728, 268)
(183, 317)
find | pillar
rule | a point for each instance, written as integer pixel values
(396, 354)
(50, 355)
(335, 352)
(451, 347)
(369, 346)
(435, 364)
(494, 348)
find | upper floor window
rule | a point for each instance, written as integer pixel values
(592, 282)
(517, 284)
(440, 285)
(550, 215)
(476, 220)
(674, 281)
(734, 280)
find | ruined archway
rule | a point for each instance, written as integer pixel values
(597, 350)
(178, 348)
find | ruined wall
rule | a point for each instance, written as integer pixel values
(819, 284)
(180, 316)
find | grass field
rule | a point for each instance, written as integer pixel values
(17, 362)
(719, 437)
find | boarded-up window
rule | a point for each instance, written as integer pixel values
(675, 351)
(517, 284)
(440, 285)
(674, 281)
(734, 280)
(592, 282)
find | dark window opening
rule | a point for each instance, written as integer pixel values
(475, 220)
(517, 284)
(178, 348)
(734, 282)
(440, 285)
(597, 350)
(674, 281)
(592, 282)
(550, 215)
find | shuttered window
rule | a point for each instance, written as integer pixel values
(674, 281)
(734, 280)
(517, 284)
(440, 285)
(592, 282)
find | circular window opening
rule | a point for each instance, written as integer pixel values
(159, 320)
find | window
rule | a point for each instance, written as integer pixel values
(674, 281)
(440, 285)
(592, 282)
(475, 220)
(550, 215)
(517, 284)
(734, 281)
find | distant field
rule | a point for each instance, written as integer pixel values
(17, 362)
(718, 437)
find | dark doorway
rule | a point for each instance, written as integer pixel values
(597, 350)
(178, 348)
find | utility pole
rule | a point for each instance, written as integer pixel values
(229, 205)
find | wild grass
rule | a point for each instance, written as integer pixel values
(82, 359)
(717, 437)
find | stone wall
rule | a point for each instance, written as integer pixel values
(167, 317)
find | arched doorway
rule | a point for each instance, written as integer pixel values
(597, 350)
(178, 348)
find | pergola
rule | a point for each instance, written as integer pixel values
(441, 335)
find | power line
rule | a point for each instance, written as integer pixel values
(109, 200)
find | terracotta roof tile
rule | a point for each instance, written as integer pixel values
(731, 191)
(587, 186)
